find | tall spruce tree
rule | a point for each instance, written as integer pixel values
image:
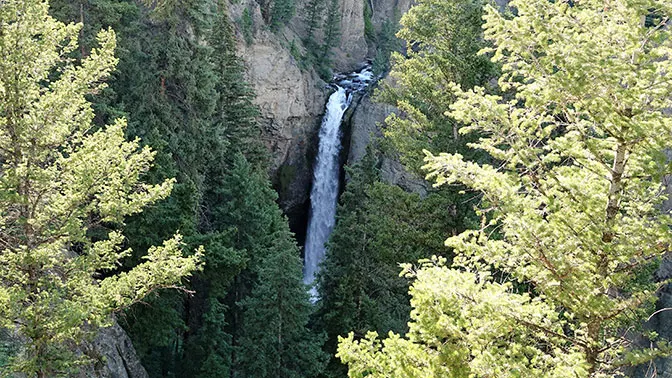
(332, 29)
(275, 339)
(268, 297)
(65, 192)
(235, 115)
(575, 200)
(282, 12)
(313, 16)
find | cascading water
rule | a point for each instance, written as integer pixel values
(324, 193)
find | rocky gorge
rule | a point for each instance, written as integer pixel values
(265, 115)
(292, 97)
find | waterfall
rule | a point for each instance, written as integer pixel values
(323, 196)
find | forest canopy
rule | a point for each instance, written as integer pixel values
(139, 172)
(559, 270)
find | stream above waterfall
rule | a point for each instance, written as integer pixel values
(325, 187)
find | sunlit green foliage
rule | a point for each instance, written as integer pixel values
(575, 201)
(443, 38)
(378, 226)
(65, 190)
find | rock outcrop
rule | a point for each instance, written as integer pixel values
(291, 101)
(353, 47)
(292, 105)
(365, 127)
(384, 10)
(114, 349)
(292, 98)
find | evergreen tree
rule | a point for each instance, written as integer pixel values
(275, 340)
(63, 187)
(169, 83)
(282, 12)
(387, 42)
(313, 11)
(197, 112)
(443, 38)
(332, 29)
(192, 105)
(575, 200)
(235, 115)
(269, 293)
(378, 226)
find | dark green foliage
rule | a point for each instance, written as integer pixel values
(332, 29)
(378, 226)
(387, 42)
(156, 329)
(236, 115)
(318, 53)
(276, 13)
(313, 12)
(369, 30)
(247, 25)
(189, 101)
(275, 341)
(208, 353)
(296, 54)
(9, 347)
(281, 12)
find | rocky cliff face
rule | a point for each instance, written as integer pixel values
(353, 47)
(365, 127)
(113, 348)
(388, 10)
(292, 98)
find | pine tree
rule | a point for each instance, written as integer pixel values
(235, 115)
(313, 12)
(575, 201)
(443, 38)
(282, 12)
(168, 82)
(272, 268)
(342, 279)
(276, 341)
(332, 29)
(194, 107)
(62, 183)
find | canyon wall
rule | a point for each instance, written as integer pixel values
(291, 96)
